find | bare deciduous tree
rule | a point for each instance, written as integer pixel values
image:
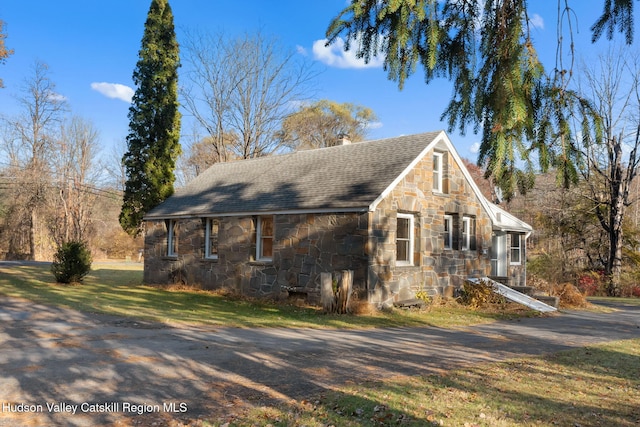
(610, 154)
(28, 144)
(242, 88)
(75, 175)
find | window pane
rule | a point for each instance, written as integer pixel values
(437, 172)
(267, 226)
(266, 237)
(267, 247)
(447, 233)
(213, 237)
(403, 228)
(515, 248)
(402, 247)
(465, 233)
(172, 238)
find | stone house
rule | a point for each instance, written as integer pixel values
(402, 213)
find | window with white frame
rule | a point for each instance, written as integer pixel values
(468, 233)
(172, 238)
(437, 172)
(264, 238)
(404, 239)
(448, 232)
(516, 249)
(211, 238)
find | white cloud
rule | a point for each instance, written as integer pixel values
(475, 147)
(374, 125)
(56, 97)
(334, 55)
(301, 50)
(536, 21)
(114, 90)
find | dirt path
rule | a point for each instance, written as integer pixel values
(115, 371)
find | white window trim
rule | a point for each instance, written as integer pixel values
(437, 183)
(207, 238)
(172, 238)
(518, 248)
(466, 233)
(408, 262)
(449, 219)
(259, 255)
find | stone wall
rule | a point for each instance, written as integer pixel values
(435, 269)
(304, 246)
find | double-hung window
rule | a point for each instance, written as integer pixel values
(211, 238)
(404, 240)
(264, 241)
(516, 249)
(448, 232)
(468, 233)
(437, 172)
(172, 238)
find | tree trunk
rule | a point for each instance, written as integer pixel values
(32, 235)
(616, 216)
(614, 263)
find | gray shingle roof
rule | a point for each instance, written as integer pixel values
(346, 177)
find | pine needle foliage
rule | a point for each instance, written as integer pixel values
(500, 88)
(153, 143)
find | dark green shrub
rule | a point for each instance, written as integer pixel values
(71, 263)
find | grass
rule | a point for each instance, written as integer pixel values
(116, 289)
(592, 386)
(597, 385)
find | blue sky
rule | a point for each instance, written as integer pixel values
(91, 49)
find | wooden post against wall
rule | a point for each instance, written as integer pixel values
(343, 293)
(327, 297)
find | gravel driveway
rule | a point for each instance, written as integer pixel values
(62, 367)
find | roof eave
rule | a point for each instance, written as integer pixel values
(186, 215)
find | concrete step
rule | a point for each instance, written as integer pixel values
(527, 290)
(549, 300)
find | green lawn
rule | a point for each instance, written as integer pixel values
(593, 386)
(598, 385)
(116, 289)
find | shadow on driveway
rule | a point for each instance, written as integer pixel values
(117, 370)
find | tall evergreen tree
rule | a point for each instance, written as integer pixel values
(154, 120)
